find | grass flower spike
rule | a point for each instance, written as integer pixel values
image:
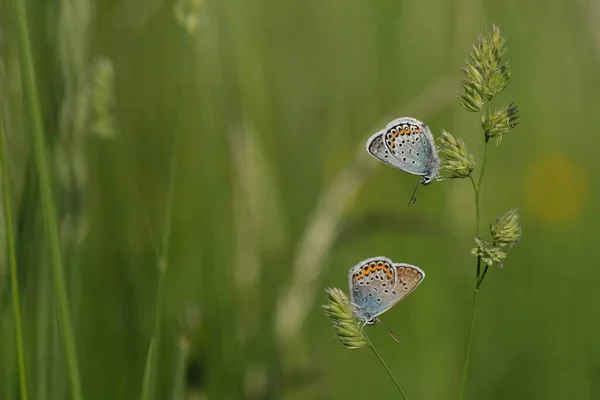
(102, 98)
(506, 231)
(485, 71)
(455, 162)
(345, 326)
(497, 122)
(471, 99)
(489, 253)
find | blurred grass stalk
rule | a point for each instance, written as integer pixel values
(150, 369)
(10, 246)
(49, 213)
(178, 385)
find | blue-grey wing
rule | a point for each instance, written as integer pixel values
(372, 286)
(410, 144)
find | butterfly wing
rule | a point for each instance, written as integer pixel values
(410, 141)
(373, 284)
(376, 147)
(408, 277)
(406, 144)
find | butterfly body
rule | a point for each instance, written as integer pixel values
(377, 284)
(408, 145)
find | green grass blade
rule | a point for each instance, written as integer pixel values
(147, 381)
(49, 213)
(178, 389)
(14, 283)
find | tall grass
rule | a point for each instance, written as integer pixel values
(270, 101)
(49, 212)
(12, 259)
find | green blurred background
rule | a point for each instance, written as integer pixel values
(260, 111)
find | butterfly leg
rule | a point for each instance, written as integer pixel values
(392, 334)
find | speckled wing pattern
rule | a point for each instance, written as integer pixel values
(377, 284)
(406, 144)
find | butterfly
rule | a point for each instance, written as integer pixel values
(377, 284)
(408, 145)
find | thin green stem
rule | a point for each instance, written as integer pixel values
(12, 259)
(385, 366)
(479, 275)
(178, 385)
(480, 281)
(147, 379)
(482, 173)
(469, 342)
(476, 189)
(49, 213)
(150, 370)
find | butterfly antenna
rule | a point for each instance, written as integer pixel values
(389, 330)
(413, 198)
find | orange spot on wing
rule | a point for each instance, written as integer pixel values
(390, 275)
(379, 266)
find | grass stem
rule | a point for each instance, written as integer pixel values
(150, 370)
(385, 366)
(49, 213)
(479, 276)
(469, 342)
(12, 259)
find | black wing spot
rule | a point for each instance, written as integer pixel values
(413, 162)
(403, 158)
(379, 300)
